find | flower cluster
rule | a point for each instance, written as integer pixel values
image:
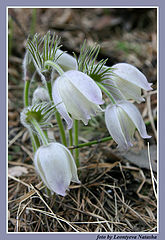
(73, 90)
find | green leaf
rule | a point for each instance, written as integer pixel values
(42, 49)
(87, 63)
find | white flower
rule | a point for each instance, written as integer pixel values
(66, 61)
(129, 80)
(56, 167)
(121, 120)
(78, 95)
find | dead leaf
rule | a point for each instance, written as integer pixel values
(140, 158)
(17, 171)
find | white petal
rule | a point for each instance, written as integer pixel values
(66, 61)
(130, 91)
(131, 74)
(86, 86)
(39, 167)
(128, 127)
(72, 166)
(60, 105)
(114, 126)
(76, 103)
(135, 116)
(113, 89)
(56, 168)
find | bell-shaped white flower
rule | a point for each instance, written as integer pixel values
(129, 80)
(56, 167)
(66, 61)
(76, 93)
(121, 120)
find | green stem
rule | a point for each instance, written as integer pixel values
(26, 93)
(91, 143)
(70, 139)
(35, 141)
(55, 66)
(61, 127)
(106, 92)
(33, 22)
(49, 87)
(58, 118)
(34, 138)
(40, 131)
(76, 142)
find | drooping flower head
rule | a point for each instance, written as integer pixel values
(77, 94)
(121, 120)
(128, 81)
(56, 167)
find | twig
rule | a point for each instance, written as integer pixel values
(150, 115)
(152, 175)
(16, 137)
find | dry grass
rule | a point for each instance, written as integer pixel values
(112, 197)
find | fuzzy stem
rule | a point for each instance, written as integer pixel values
(106, 92)
(76, 142)
(34, 138)
(40, 131)
(35, 141)
(61, 127)
(54, 66)
(91, 143)
(49, 87)
(26, 93)
(70, 139)
(58, 118)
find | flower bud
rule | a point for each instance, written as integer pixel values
(76, 93)
(56, 167)
(40, 95)
(121, 120)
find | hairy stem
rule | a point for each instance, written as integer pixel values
(34, 138)
(106, 92)
(70, 139)
(91, 143)
(54, 66)
(26, 93)
(61, 127)
(39, 131)
(57, 115)
(76, 142)
(35, 141)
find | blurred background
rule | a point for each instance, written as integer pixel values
(125, 35)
